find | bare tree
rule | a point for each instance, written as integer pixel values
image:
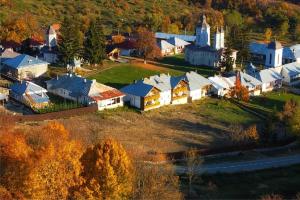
(193, 163)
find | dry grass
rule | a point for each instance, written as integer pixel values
(168, 129)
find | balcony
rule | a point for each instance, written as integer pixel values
(152, 97)
(151, 106)
(176, 97)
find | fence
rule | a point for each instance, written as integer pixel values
(56, 115)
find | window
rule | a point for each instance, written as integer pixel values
(270, 62)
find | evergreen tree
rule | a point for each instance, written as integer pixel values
(94, 45)
(70, 41)
(227, 61)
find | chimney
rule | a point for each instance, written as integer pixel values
(57, 77)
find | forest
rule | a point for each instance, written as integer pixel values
(259, 17)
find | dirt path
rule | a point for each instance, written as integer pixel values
(235, 167)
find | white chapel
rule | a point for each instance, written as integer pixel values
(202, 53)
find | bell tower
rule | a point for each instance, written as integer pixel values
(203, 33)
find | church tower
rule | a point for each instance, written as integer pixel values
(51, 37)
(274, 54)
(217, 45)
(222, 38)
(203, 33)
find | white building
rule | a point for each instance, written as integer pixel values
(179, 44)
(156, 91)
(86, 92)
(271, 78)
(251, 83)
(221, 85)
(202, 53)
(291, 73)
(199, 86)
(166, 48)
(274, 53)
(24, 67)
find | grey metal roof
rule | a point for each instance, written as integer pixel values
(36, 92)
(203, 49)
(268, 75)
(166, 36)
(292, 69)
(195, 80)
(247, 80)
(139, 89)
(77, 86)
(23, 60)
(177, 41)
(163, 45)
(258, 48)
(220, 82)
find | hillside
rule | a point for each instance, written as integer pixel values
(174, 16)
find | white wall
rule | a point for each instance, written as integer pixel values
(107, 104)
(165, 97)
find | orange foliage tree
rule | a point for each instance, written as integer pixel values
(146, 44)
(44, 171)
(107, 172)
(18, 28)
(239, 91)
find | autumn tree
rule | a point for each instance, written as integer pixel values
(155, 181)
(268, 34)
(146, 44)
(94, 44)
(239, 135)
(18, 28)
(239, 91)
(193, 163)
(107, 173)
(43, 171)
(288, 112)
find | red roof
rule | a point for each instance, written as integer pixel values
(108, 95)
(127, 44)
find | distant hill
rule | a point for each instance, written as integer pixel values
(166, 15)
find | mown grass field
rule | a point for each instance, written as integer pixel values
(250, 185)
(180, 64)
(125, 74)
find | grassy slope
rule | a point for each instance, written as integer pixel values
(180, 64)
(124, 74)
(224, 112)
(273, 100)
(251, 185)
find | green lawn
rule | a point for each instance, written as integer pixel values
(225, 112)
(125, 74)
(250, 185)
(273, 100)
(181, 65)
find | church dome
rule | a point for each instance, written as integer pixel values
(275, 45)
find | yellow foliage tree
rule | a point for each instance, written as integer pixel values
(43, 172)
(107, 173)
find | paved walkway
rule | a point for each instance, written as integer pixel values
(234, 167)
